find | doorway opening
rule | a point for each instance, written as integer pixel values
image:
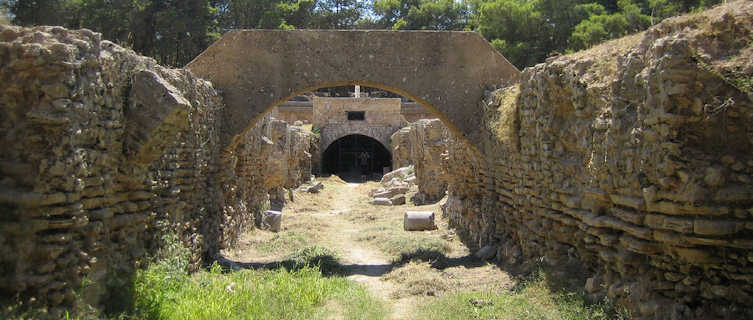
(356, 157)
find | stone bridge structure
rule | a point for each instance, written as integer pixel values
(446, 72)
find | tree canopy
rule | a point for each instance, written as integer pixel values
(525, 31)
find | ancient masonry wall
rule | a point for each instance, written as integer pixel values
(631, 159)
(273, 158)
(423, 144)
(103, 151)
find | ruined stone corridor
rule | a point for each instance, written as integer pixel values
(628, 162)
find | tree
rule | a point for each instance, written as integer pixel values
(337, 14)
(601, 26)
(560, 17)
(41, 12)
(514, 28)
(422, 14)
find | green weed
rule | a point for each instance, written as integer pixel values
(534, 300)
(248, 294)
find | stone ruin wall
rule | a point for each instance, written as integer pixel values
(631, 160)
(423, 144)
(102, 152)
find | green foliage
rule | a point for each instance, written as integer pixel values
(601, 26)
(533, 300)
(166, 291)
(422, 14)
(514, 28)
(525, 31)
(248, 294)
(337, 14)
(318, 257)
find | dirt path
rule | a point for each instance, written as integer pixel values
(369, 240)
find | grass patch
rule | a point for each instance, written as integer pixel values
(419, 278)
(403, 245)
(285, 241)
(249, 294)
(741, 82)
(386, 233)
(504, 122)
(318, 257)
(532, 300)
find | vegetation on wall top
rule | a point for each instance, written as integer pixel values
(524, 31)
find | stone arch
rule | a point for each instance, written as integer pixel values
(446, 72)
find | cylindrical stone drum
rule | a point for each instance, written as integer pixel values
(272, 220)
(419, 220)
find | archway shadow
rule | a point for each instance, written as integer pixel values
(330, 266)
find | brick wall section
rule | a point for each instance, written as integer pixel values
(81, 192)
(102, 151)
(631, 159)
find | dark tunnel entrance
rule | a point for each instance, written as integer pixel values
(356, 157)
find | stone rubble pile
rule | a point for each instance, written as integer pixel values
(394, 186)
(312, 187)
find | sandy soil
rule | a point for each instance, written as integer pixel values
(339, 216)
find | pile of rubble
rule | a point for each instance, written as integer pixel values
(312, 186)
(394, 186)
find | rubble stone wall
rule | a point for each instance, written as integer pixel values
(272, 158)
(103, 152)
(423, 144)
(632, 159)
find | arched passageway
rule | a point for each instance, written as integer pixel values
(446, 72)
(356, 157)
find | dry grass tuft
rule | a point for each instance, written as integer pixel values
(505, 122)
(419, 279)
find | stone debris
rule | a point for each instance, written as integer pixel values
(398, 200)
(316, 187)
(272, 221)
(394, 186)
(381, 202)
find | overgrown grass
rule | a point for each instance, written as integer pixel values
(533, 300)
(298, 289)
(248, 294)
(324, 259)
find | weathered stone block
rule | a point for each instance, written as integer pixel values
(716, 227)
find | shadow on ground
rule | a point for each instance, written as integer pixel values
(329, 264)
